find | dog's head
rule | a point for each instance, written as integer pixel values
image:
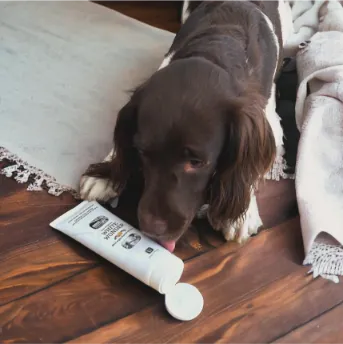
(196, 135)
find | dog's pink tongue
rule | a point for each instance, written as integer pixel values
(168, 245)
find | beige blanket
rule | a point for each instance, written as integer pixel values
(65, 69)
(319, 115)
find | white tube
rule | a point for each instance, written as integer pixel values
(104, 233)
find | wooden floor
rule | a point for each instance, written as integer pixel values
(54, 290)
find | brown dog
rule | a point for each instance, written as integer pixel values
(203, 128)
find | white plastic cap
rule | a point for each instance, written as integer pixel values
(184, 302)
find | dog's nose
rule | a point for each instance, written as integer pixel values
(152, 225)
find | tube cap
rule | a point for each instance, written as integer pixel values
(184, 302)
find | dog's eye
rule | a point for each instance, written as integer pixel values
(193, 164)
(193, 161)
(196, 163)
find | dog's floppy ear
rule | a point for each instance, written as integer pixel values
(248, 153)
(125, 163)
(124, 166)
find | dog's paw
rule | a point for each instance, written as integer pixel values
(242, 229)
(96, 189)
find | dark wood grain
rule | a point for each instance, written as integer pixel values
(34, 256)
(40, 265)
(227, 277)
(25, 216)
(52, 272)
(81, 303)
(63, 310)
(107, 300)
(277, 202)
(258, 317)
(326, 328)
(54, 290)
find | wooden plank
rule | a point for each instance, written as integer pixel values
(40, 265)
(327, 328)
(75, 306)
(224, 276)
(277, 202)
(34, 256)
(113, 294)
(85, 301)
(265, 315)
(25, 216)
(258, 317)
(37, 266)
(278, 298)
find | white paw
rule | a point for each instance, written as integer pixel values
(93, 188)
(244, 228)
